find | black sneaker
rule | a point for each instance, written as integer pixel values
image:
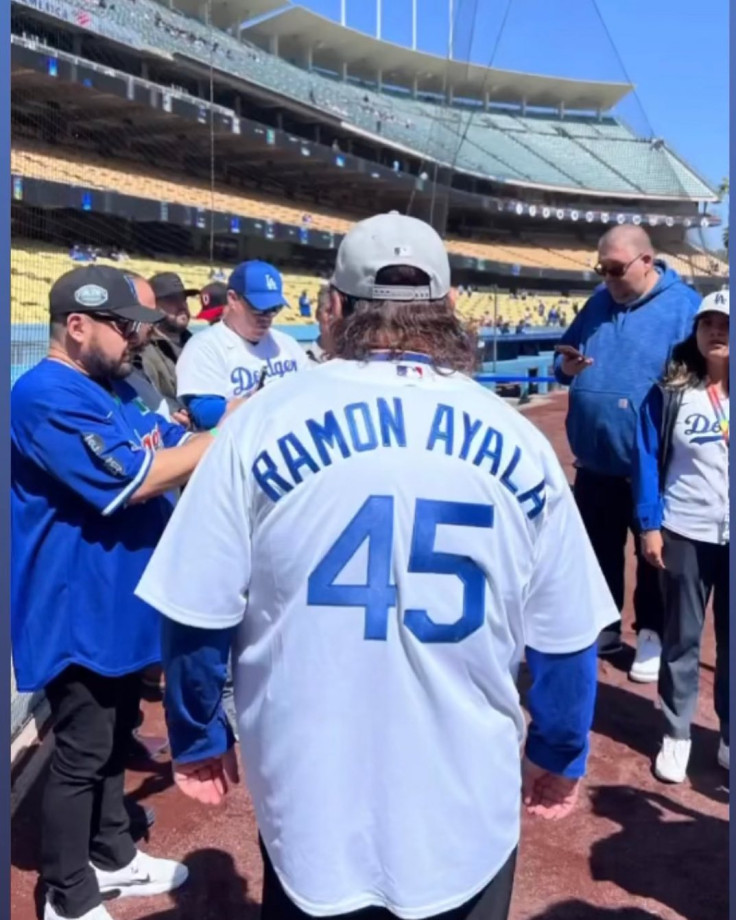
(609, 642)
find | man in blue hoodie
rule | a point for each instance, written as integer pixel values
(612, 354)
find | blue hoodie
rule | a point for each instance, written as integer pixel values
(630, 346)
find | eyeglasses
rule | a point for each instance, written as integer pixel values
(127, 328)
(272, 312)
(617, 270)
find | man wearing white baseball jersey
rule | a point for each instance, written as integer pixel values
(228, 359)
(377, 640)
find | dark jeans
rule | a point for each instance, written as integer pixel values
(492, 903)
(84, 818)
(693, 571)
(606, 506)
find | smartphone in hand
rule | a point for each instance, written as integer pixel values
(568, 351)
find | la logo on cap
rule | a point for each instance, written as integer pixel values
(271, 283)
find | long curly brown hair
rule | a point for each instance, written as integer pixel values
(431, 327)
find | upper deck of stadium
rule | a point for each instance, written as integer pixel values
(530, 131)
(296, 33)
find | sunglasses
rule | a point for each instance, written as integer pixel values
(127, 328)
(617, 270)
(272, 312)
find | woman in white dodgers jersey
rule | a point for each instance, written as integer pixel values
(403, 539)
(682, 500)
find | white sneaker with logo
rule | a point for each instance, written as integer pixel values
(645, 669)
(144, 876)
(671, 763)
(97, 913)
(724, 755)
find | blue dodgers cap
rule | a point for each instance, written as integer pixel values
(259, 283)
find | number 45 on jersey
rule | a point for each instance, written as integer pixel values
(375, 522)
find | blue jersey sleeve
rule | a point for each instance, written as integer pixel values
(561, 703)
(195, 664)
(84, 444)
(172, 434)
(645, 484)
(206, 411)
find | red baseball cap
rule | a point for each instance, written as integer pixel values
(213, 298)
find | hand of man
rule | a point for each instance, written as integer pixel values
(571, 367)
(547, 795)
(181, 417)
(573, 361)
(207, 781)
(652, 546)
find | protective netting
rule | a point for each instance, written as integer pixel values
(147, 137)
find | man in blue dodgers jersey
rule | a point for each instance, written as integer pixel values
(614, 352)
(376, 651)
(226, 360)
(92, 472)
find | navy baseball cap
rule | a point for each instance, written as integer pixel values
(259, 284)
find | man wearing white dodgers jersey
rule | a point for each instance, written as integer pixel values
(379, 717)
(226, 360)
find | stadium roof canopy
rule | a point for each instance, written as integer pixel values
(299, 34)
(225, 13)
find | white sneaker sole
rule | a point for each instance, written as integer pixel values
(144, 890)
(643, 677)
(669, 779)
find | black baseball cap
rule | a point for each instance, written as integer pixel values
(169, 284)
(213, 298)
(100, 289)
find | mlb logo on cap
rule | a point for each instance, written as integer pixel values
(259, 284)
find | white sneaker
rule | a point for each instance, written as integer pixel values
(724, 758)
(97, 913)
(645, 669)
(671, 763)
(144, 876)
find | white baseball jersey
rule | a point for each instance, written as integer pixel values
(400, 535)
(219, 362)
(696, 494)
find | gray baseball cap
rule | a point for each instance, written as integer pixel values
(386, 240)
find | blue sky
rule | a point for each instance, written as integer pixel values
(675, 52)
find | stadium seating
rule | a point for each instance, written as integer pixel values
(570, 152)
(34, 268)
(68, 166)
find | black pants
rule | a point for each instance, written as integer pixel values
(84, 818)
(606, 506)
(492, 903)
(693, 571)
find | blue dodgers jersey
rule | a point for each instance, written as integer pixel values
(78, 452)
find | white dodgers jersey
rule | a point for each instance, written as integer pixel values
(219, 362)
(388, 539)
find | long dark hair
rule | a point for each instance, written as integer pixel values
(686, 367)
(431, 327)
